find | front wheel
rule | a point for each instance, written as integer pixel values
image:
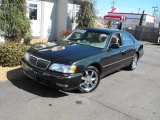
(90, 80)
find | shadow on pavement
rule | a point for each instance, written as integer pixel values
(17, 78)
(156, 44)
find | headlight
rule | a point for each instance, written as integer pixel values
(63, 68)
(27, 56)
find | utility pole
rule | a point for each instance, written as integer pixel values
(113, 3)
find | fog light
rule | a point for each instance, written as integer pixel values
(62, 85)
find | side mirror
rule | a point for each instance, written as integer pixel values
(114, 46)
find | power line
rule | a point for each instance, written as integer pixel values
(155, 10)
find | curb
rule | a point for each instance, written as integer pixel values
(4, 71)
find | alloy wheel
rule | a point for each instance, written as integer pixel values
(90, 80)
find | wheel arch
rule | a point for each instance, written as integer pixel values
(137, 54)
(98, 66)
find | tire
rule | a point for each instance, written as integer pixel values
(90, 80)
(134, 62)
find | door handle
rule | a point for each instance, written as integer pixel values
(123, 51)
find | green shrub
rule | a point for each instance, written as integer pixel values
(11, 54)
(27, 38)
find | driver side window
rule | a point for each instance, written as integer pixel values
(116, 39)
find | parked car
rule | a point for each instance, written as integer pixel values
(82, 58)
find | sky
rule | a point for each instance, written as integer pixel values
(128, 6)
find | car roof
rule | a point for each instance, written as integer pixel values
(104, 30)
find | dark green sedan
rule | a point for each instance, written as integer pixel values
(82, 58)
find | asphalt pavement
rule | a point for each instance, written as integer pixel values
(124, 95)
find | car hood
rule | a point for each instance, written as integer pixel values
(64, 52)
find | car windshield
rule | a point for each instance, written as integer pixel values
(89, 37)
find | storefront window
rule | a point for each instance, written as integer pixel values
(33, 11)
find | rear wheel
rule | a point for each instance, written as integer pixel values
(134, 62)
(90, 80)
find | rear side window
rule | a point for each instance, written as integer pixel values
(127, 40)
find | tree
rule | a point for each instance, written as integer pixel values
(86, 15)
(109, 24)
(141, 19)
(14, 23)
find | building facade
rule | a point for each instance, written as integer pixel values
(129, 20)
(50, 17)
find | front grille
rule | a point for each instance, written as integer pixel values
(39, 62)
(33, 60)
(42, 63)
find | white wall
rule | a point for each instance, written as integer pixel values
(149, 19)
(2, 39)
(48, 19)
(35, 22)
(133, 19)
(62, 9)
(56, 17)
(72, 12)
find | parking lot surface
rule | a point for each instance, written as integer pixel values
(124, 95)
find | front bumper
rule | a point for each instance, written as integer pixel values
(52, 79)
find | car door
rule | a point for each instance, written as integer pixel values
(128, 47)
(113, 56)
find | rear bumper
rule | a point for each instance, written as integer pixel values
(141, 52)
(56, 80)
